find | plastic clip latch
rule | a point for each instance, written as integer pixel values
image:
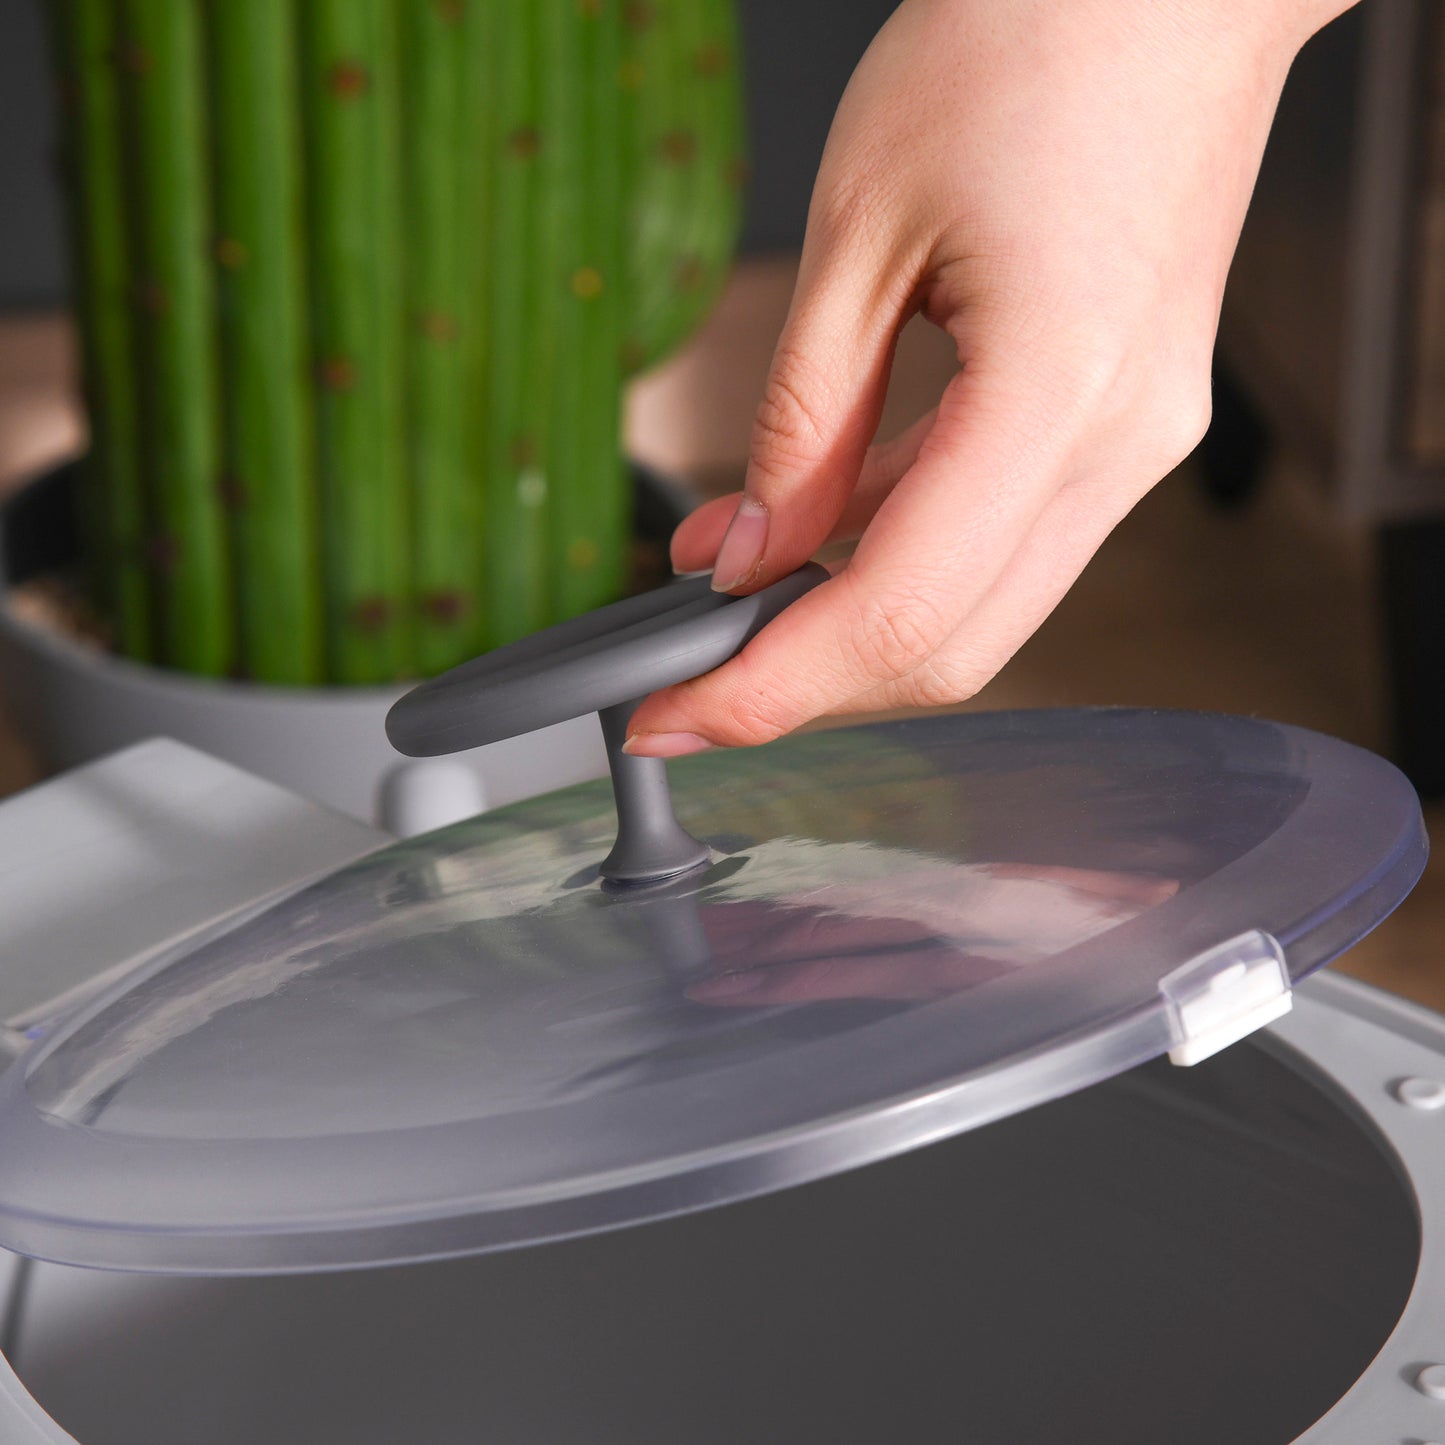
(1218, 998)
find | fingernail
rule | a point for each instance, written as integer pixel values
(741, 553)
(664, 745)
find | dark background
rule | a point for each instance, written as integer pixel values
(799, 56)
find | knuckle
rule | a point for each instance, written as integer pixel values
(895, 635)
(1181, 413)
(1191, 418)
(789, 427)
(752, 722)
(936, 686)
(846, 212)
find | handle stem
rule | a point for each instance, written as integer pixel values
(651, 844)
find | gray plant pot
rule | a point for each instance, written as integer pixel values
(72, 702)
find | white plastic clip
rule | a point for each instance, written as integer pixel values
(1223, 995)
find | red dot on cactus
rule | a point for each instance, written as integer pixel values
(689, 273)
(337, 373)
(524, 142)
(234, 495)
(678, 147)
(163, 552)
(736, 173)
(151, 298)
(133, 59)
(450, 12)
(371, 615)
(587, 283)
(449, 606)
(437, 326)
(524, 451)
(231, 254)
(638, 14)
(348, 79)
(712, 59)
(583, 554)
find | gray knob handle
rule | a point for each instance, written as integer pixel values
(606, 662)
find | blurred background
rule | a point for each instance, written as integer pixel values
(1293, 568)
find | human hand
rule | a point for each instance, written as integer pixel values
(1059, 184)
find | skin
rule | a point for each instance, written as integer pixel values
(1059, 185)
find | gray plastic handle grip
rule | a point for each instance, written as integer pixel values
(606, 661)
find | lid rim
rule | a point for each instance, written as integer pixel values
(721, 1128)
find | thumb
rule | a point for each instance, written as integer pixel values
(818, 413)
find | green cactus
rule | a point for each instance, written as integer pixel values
(684, 153)
(516, 479)
(163, 89)
(590, 495)
(84, 33)
(269, 478)
(446, 60)
(350, 101)
(389, 262)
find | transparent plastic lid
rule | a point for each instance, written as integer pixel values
(468, 1040)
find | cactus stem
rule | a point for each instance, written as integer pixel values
(269, 483)
(178, 372)
(405, 251)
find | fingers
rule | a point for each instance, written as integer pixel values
(938, 541)
(1066, 535)
(698, 536)
(820, 404)
(697, 539)
(884, 467)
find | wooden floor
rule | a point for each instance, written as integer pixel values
(1267, 612)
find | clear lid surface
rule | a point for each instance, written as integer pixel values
(468, 1041)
